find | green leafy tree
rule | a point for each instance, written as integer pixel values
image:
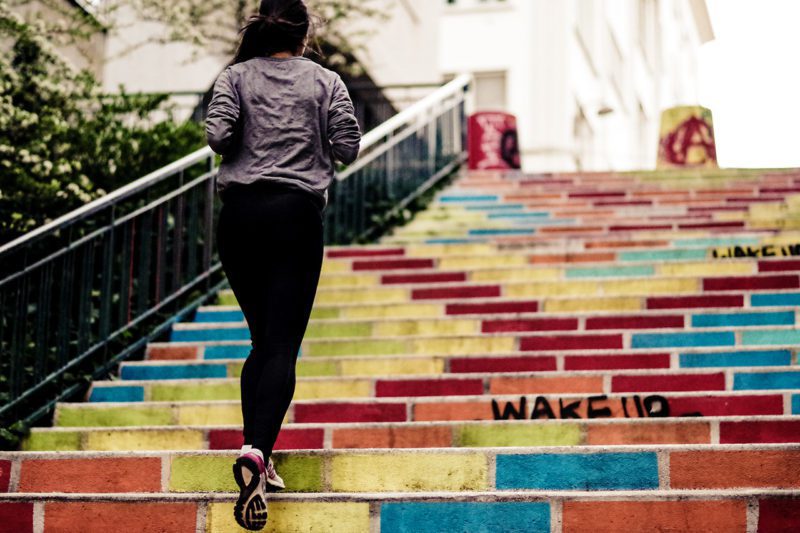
(214, 24)
(63, 142)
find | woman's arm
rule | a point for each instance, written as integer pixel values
(343, 131)
(223, 113)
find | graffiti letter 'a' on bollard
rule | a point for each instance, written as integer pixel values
(493, 143)
(686, 138)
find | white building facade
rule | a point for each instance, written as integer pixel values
(587, 79)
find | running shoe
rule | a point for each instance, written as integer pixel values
(274, 481)
(250, 474)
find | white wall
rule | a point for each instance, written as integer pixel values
(82, 54)
(567, 60)
(133, 60)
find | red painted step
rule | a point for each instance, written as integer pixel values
(503, 364)
(617, 362)
(623, 203)
(355, 252)
(433, 277)
(482, 291)
(598, 194)
(529, 306)
(759, 431)
(288, 439)
(728, 405)
(693, 302)
(712, 225)
(779, 516)
(5, 475)
(639, 227)
(429, 387)
(706, 209)
(393, 264)
(635, 322)
(349, 412)
(674, 383)
(16, 517)
(779, 266)
(571, 342)
(530, 324)
(745, 283)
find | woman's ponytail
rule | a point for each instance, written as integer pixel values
(279, 26)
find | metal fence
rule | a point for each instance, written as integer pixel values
(399, 160)
(84, 292)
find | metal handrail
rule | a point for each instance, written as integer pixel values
(83, 292)
(406, 117)
(113, 197)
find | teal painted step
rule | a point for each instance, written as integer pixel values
(596, 471)
(130, 391)
(219, 316)
(495, 207)
(465, 198)
(782, 318)
(209, 369)
(446, 517)
(664, 255)
(174, 371)
(502, 231)
(736, 359)
(714, 242)
(785, 299)
(680, 340)
(767, 381)
(610, 272)
(770, 337)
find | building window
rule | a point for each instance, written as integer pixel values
(490, 91)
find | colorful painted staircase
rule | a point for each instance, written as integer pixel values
(576, 353)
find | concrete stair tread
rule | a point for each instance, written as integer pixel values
(407, 399)
(478, 375)
(478, 496)
(414, 409)
(429, 434)
(424, 423)
(486, 317)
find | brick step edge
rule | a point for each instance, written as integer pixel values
(541, 512)
(477, 496)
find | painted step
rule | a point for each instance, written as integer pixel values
(441, 408)
(487, 343)
(557, 236)
(594, 382)
(631, 286)
(760, 511)
(750, 430)
(481, 269)
(451, 325)
(516, 306)
(522, 362)
(649, 468)
(419, 258)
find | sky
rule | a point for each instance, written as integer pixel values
(749, 78)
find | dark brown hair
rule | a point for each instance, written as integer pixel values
(279, 26)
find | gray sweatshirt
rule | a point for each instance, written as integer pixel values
(281, 120)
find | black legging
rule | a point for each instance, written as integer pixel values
(270, 245)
